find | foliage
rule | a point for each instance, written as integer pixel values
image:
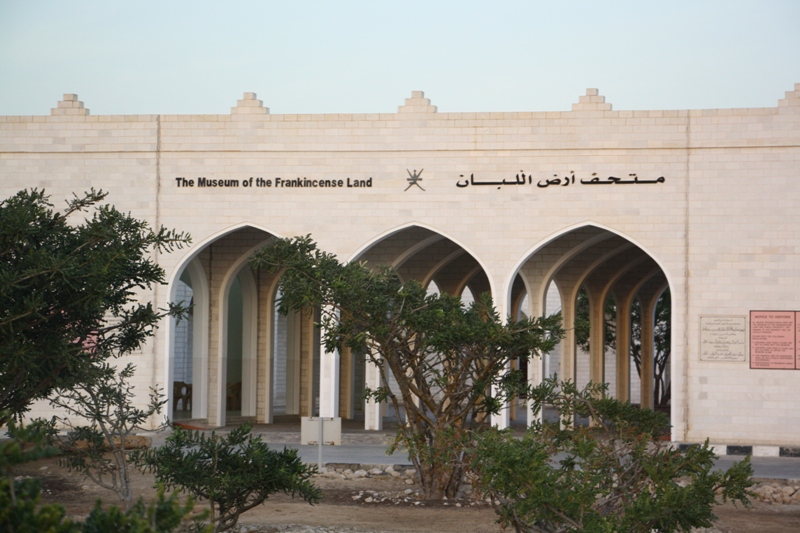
(105, 400)
(450, 362)
(22, 512)
(25, 443)
(662, 335)
(68, 291)
(27, 515)
(615, 476)
(164, 515)
(234, 473)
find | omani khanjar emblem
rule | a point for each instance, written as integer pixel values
(414, 179)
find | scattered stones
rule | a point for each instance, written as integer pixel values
(296, 528)
(398, 496)
(777, 492)
(331, 472)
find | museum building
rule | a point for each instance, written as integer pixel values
(532, 207)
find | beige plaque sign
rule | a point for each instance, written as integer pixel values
(723, 338)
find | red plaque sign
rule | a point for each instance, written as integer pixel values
(797, 339)
(773, 342)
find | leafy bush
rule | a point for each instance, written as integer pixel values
(615, 475)
(70, 291)
(164, 515)
(234, 473)
(22, 512)
(104, 399)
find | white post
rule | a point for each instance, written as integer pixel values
(329, 384)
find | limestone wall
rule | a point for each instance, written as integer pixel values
(723, 225)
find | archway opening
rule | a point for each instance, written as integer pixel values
(436, 262)
(218, 357)
(601, 277)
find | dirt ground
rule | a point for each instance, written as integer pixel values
(340, 509)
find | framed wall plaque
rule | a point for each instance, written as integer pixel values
(723, 338)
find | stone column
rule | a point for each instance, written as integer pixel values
(597, 326)
(535, 364)
(328, 380)
(373, 415)
(502, 419)
(346, 409)
(623, 348)
(648, 349)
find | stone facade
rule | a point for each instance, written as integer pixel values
(504, 202)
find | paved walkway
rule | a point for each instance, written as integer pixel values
(361, 447)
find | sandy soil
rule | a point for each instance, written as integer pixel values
(340, 509)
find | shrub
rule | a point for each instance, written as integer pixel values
(615, 475)
(234, 473)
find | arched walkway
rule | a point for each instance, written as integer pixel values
(434, 260)
(219, 364)
(236, 359)
(613, 272)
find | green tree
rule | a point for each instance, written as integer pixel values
(614, 476)
(21, 510)
(234, 473)
(106, 401)
(450, 362)
(68, 291)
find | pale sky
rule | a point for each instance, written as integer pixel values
(196, 57)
